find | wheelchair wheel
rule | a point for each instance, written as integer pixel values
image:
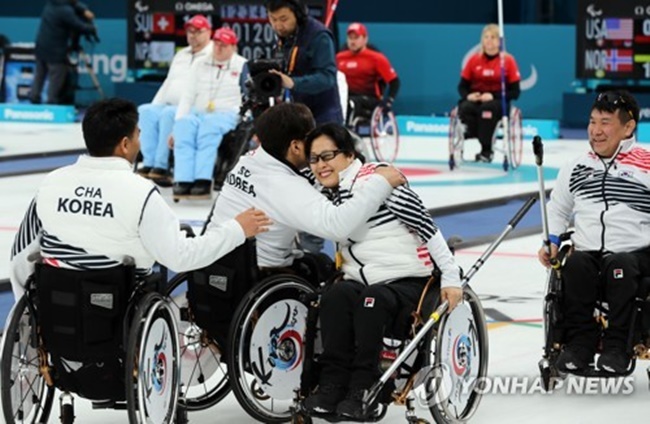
(515, 138)
(384, 136)
(456, 140)
(152, 362)
(459, 358)
(26, 398)
(552, 316)
(204, 378)
(266, 354)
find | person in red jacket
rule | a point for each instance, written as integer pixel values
(480, 106)
(367, 72)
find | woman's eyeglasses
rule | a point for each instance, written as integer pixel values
(614, 101)
(326, 156)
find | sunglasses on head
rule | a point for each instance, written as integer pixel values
(614, 101)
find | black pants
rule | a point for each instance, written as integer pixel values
(480, 120)
(613, 278)
(354, 318)
(57, 73)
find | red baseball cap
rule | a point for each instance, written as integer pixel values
(358, 28)
(199, 22)
(225, 35)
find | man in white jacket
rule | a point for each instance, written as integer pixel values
(208, 110)
(269, 178)
(157, 117)
(607, 192)
(96, 213)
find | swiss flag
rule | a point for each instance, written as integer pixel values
(163, 23)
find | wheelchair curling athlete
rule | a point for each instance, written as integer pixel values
(269, 179)
(480, 107)
(386, 262)
(607, 191)
(95, 213)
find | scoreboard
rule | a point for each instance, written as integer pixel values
(156, 29)
(613, 39)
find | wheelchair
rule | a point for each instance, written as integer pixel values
(367, 119)
(275, 345)
(554, 335)
(511, 146)
(100, 334)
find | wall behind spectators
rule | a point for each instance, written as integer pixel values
(428, 59)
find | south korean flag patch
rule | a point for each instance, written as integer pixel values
(369, 302)
(618, 274)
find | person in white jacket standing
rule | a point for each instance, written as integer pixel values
(157, 117)
(96, 213)
(607, 193)
(386, 262)
(208, 110)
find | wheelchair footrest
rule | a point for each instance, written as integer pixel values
(596, 373)
(335, 418)
(109, 404)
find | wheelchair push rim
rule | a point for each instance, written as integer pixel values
(515, 139)
(384, 135)
(204, 377)
(267, 350)
(26, 398)
(152, 365)
(459, 354)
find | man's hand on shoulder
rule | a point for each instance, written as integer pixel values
(253, 221)
(393, 175)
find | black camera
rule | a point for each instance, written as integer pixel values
(262, 84)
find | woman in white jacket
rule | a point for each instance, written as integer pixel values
(386, 263)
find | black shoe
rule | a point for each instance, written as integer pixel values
(201, 189)
(574, 358)
(484, 157)
(325, 399)
(352, 405)
(161, 177)
(615, 361)
(182, 189)
(144, 171)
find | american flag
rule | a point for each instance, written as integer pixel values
(619, 60)
(619, 29)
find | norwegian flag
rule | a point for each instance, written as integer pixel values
(619, 60)
(163, 23)
(619, 29)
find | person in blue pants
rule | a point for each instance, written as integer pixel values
(157, 118)
(208, 110)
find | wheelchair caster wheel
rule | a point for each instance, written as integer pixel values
(176, 199)
(549, 375)
(67, 414)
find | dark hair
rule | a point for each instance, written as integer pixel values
(106, 123)
(618, 100)
(281, 124)
(339, 135)
(298, 9)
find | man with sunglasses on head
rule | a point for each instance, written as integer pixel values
(607, 192)
(269, 178)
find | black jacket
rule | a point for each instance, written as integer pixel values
(59, 21)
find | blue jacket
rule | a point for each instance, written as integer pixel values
(59, 22)
(314, 72)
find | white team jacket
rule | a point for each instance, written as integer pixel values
(261, 181)
(176, 82)
(609, 199)
(397, 241)
(215, 83)
(97, 212)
